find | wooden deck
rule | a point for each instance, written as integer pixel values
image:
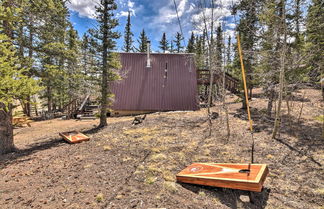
(234, 176)
(231, 83)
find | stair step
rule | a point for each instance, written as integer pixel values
(88, 111)
(87, 118)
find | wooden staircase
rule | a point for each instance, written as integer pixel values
(231, 83)
(71, 109)
(80, 109)
(89, 111)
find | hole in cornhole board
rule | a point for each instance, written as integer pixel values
(248, 177)
(74, 137)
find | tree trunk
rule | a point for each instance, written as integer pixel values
(6, 130)
(250, 93)
(271, 94)
(49, 99)
(224, 100)
(104, 84)
(282, 73)
(244, 106)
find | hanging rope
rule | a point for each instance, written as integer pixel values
(179, 22)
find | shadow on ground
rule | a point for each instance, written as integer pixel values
(308, 134)
(231, 197)
(13, 158)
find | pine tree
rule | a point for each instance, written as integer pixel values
(106, 36)
(247, 29)
(191, 43)
(271, 43)
(199, 52)
(228, 51)
(315, 39)
(128, 36)
(54, 54)
(142, 42)
(171, 46)
(177, 41)
(14, 84)
(219, 45)
(164, 45)
(90, 63)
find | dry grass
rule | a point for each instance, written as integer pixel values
(170, 186)
(100, 197)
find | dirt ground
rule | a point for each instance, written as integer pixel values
(125, 166)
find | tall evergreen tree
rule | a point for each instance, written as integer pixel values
(14, 84)
(106, 37)
(199, 50)
(164, 45)
(315, 39)
(219, 46)
(171, 46)
(142, 42)
(128, 36)
(191, 43)
(247, 28)
(177, 41)
(228, 50)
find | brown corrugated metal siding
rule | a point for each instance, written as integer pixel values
(151, 89)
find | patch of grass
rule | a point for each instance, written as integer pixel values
(168, 176)
(87, 166)
(269, 156)
(238, 100)
(200, 158)
(158, 157)
(141, 131)
(191, 146)
(208, 145)
(179, 156)
(170, 186)
(156, 149)
(127, 159)
(320, 118)
(202, 194)
(320, 191)
(100, 197)
(216, 200)
(225, 153)
(206, 152)
(150, 179)
(164, 139)
(107, 148)
(118, 197)
(141, 167)
(154, 169)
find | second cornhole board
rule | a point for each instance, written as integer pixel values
(225, 175)
(74, 137)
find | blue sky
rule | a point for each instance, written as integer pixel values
(155, 16)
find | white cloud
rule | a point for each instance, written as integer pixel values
(84, 8)
(229, 33)
(131, 8)
(87, 8)
(130, 4)
(167, 13)
(204, 17)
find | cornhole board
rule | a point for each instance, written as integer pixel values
(74, 137)
(226, 175)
